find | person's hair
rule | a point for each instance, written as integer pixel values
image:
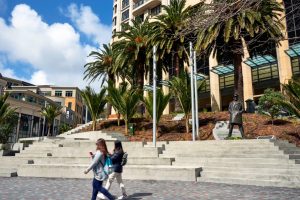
(103, 147)
(118, 145)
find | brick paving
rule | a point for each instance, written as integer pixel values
(80, 189)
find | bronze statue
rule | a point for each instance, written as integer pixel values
(236, 110)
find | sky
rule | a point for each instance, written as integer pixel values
(48, 41)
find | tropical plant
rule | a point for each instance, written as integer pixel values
(125, 102)
(239, 29)
(135, 49)
(169, 37)
(181, 88)
(162, 101)
(270, 103)
(292, 102)
(7, 127)
(64, 128)
(95, 102)
(5, 109)
(50, 112)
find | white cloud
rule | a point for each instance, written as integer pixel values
(54, 51)
(89, 23)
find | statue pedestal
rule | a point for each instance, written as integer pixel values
(221, 130)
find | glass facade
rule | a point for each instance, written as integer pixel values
(265, 73)
(226, 81)
(125, 15)
(296, 65)
(58, 93)
(293, 20)
(155, 11)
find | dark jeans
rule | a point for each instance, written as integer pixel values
(97, 187)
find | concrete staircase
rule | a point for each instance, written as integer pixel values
(248, 162)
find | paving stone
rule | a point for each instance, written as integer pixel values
(20, 188)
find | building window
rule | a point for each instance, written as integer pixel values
(69, 93)
(58, 93)
(125, 4)
(296, 66)
(226, 81)
(124, 26)
(47, 93)
(58, 103)
(140, 17)
(205, 87)
(265, 73)
(70, 105)
(292, 11)
(155, 11)
(125, 15)
(115, 21)
(115, 9)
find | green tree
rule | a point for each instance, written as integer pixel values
(270, 103)
(241, 27)
(64, 128)
(95, 102)
(162, 101)
(50, 112)
(135, 49)
(5, 109)
(169, 36)
(125, 102)
(292, 102)
(181, 88)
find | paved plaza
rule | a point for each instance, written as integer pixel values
(79, 189)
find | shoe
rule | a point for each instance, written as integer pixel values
(124, 196)
(101, 196)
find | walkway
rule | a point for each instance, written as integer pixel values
(77, 189)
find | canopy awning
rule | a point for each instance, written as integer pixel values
(259, 61)
(223, 69)
(294, 51)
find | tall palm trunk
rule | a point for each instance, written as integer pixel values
(49, 128)
(177, 64)
(94, 124)
(126, 127)
(238, 76)
(140, 76)
(109, 106)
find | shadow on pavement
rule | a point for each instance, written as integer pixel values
(137, 196)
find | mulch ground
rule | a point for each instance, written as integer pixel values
(254, 124)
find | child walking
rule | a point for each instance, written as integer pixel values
(97, 166)
(117, 163)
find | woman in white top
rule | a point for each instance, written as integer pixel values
(97, 166)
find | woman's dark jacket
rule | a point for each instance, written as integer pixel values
(116, 160)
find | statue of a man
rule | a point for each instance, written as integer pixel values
(236, 110)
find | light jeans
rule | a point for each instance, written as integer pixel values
(111, 178)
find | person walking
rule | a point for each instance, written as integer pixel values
(97, 165)
(118, 161)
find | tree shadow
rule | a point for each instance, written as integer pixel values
(277, 122)
(137, 196)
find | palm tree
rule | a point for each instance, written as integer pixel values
(103, 65)
(169, 36)
(135, 49)
(95, 103)
(50, 112)
(292, 102)
(162, 101)
(262, 19)
(5, 110)
(125, 102)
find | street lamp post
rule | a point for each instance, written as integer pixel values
(192, 91)
(154, 96)
(196, 95)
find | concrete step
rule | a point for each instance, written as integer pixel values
(253, 175)
(225, 155)
(255, 182)
(87, 160)
(8, 172)
(140, 172)
(199, 161)
(229, 151)
(239, 164)
(264, 171)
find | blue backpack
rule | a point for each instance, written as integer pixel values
(107, 167)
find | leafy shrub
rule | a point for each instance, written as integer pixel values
(7, 127)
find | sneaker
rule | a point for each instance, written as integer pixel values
(101, 196)
(123, 197)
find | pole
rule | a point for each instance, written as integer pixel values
(86, 114)
(192, 91)
(154, 96)
(196, 94)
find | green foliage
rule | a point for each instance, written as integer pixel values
(181, 87)
(270, 104)
(162, 101)
(292, 100)
(7, 127)
(50, 112)
(5, 110)
(95, 103)
(125, 101)
(64, 128)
